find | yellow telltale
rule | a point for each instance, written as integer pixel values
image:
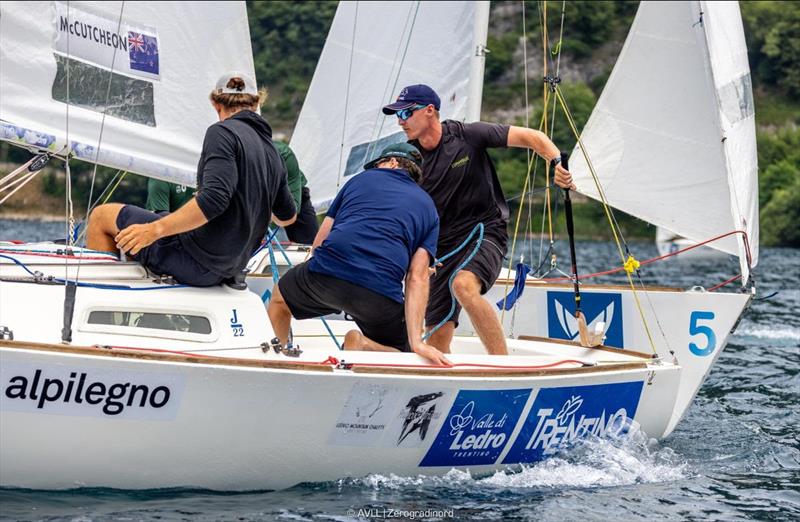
(631, 264)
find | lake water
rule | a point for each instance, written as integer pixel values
(735, 456)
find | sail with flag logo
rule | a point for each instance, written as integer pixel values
(121, 84)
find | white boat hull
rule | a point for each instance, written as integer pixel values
(232, 425)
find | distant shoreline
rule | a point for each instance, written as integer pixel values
(16, 216)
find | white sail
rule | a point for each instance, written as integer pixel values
(672, 138)
(362, 68)
(163, 58)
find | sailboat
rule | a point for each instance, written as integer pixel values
(141, 383)
(672, 141)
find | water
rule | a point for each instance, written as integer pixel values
(736, 455)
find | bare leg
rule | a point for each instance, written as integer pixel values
(467, 289)
(279, 315)
(355, 340)
(102, 228)
(442, 337)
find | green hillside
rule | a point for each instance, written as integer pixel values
(287, 38)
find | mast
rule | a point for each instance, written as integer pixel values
(478, 62)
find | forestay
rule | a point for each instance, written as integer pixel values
(162, 58)
(672, 138)
(374, 49)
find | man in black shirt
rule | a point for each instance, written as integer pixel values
(461, 179)
(241, 184)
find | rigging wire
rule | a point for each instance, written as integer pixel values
(380, 118)
(606, 208)
(347, 97)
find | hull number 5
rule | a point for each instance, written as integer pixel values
(695, 328)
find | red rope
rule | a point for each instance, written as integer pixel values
(472, 365)
(731, 280)
(665, 256)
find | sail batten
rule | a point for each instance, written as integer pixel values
(58, 58)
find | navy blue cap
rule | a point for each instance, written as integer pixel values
(398, 150)
(413, 95)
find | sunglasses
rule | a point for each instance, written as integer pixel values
(405, 114)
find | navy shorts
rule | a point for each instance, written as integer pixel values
(167, 255)
(304, 230)
(485, 265)
(311, 294)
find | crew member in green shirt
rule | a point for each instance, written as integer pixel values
(169, 197)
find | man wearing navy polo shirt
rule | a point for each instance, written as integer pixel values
(459, 175)
(380, 230)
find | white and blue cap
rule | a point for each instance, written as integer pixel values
(249, 86)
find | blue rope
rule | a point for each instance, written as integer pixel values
(266, 243)
(478, 228)
(275, 279)
(100, 286)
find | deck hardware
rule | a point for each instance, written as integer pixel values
(165, 280)
(290, 350)
(344, 365)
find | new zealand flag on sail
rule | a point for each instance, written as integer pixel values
(143, 52)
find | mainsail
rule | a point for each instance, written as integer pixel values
(122, 84)
(672, 138)
(374, 49)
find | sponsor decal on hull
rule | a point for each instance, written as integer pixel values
(560, 417)
(89, 392)
(387, 416)
(605, 307)
(477, 428)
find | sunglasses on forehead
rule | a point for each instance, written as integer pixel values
(404, 114)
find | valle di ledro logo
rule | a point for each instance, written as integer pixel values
(477, 428)
(605, 307)
(560, 417)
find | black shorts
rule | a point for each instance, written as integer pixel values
(304, 230)
(167, 255)
(485, 265)
(311, 294)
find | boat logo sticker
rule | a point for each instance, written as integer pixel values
(561, 416)
(418, 413)
(477, 428)
(236, 326)
(89, 392)
(387, 416)
(597, 307)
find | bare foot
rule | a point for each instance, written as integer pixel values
(353, 340)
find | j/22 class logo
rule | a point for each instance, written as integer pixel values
(236, 325)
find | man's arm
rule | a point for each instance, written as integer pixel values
(417, 284)
(136, 237)
(322, 233)
(538, 142)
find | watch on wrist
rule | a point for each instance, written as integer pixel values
(555, 161)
